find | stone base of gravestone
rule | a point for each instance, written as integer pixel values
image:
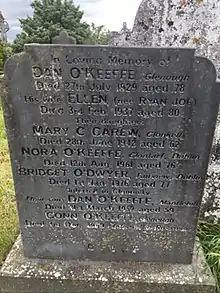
(20, 274)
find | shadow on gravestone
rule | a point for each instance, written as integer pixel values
(193, 24)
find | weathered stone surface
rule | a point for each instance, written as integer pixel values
(194, 24)
(20, 274)
(64, 38)
(123, 34)
(109, 149)
(4, 28)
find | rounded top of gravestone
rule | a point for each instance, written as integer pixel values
(64, 38)
(179, 23)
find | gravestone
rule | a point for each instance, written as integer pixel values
(4, 28)
(115, 36)
(184, 24)
(110, 140)
(64, 38)
(109, 149)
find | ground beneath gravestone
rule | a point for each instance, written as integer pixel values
(209, 234)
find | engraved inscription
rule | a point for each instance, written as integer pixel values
(111, 150)
(119, 138)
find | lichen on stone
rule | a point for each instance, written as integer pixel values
(191, 24)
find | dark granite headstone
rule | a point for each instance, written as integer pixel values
(109, 150)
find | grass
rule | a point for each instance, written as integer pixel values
(8, 213)
(209, 234)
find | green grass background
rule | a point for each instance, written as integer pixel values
(8, 213)
(209, 235)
